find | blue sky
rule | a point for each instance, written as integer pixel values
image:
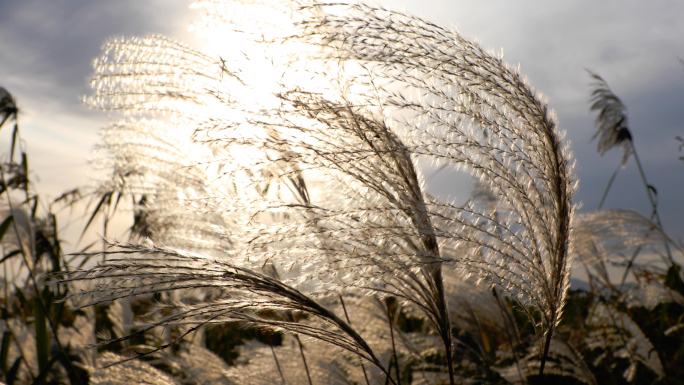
(46, 50)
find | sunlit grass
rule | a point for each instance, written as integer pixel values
(282, 231)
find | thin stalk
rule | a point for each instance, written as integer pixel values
(549, 334)
(105, 222)
(5, 277)
(610, 184)
(630, 263)
(363, 367)
(654, 216)
(394, 348)
(561, 247)
(280, 371)
(444, 320)
(651, 199)
(547, 345)
(306, 366)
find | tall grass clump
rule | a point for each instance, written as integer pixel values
(276, 205)
(42, 341)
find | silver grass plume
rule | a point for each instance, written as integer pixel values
(606, 236)
(345, 119)
(460, 106)
(238, 295)
(393, 243)
(148, 153)
(611, 121)
(411, 89)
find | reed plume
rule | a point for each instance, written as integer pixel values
(611, 122)
(464, 108)
(607, 236)
(8, 107)
(321, 183)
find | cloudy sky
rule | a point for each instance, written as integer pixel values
(46, 50)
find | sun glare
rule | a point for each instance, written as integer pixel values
(249, 40)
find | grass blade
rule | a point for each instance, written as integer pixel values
(15, 134)
(10, 255)
(105, 198)
(5, 225)
(4, 351)
(12, 373)
(42, 338)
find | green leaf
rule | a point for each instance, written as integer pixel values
(34, 207)
(10, 255)
(40, 380)
(42, 337)
(12, 373)
(15, 133)
(5, 225)
(24, 163)
(4, 351)
(104, 199)
(25, 166)
(116, 202)
(56, 247)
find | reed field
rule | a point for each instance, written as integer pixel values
(281, 230)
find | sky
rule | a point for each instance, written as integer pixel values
(47, 48)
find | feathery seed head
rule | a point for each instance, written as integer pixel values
(323, 187)
(611, 122)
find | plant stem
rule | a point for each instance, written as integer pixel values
(547, 345)
(282, 377)
(654, 205)
(306, 366)
(394, 348)
(363, 367)
(610, 184)
(444, 320)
